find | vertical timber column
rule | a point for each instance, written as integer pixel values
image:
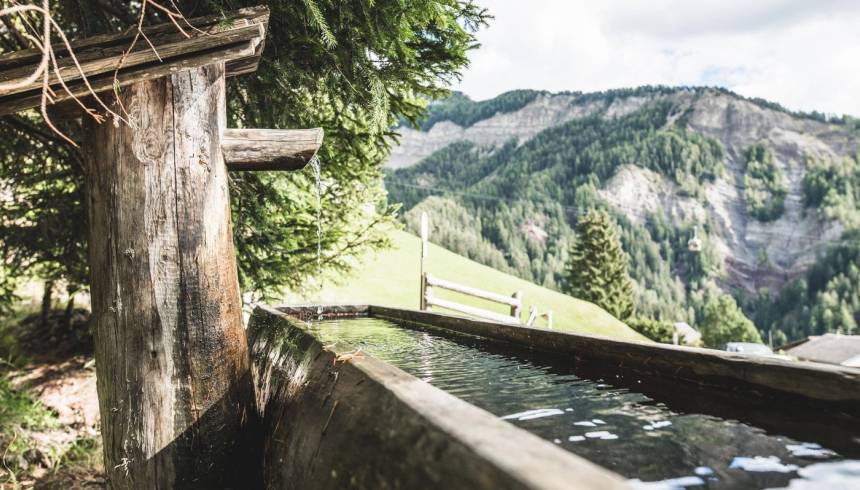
(174, 384)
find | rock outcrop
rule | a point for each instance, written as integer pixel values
(756, 254)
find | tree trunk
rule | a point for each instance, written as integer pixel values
(47, 303)
(174, 383)
(70, 310)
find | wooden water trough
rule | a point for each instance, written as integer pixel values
(321, 415)
(334, 420)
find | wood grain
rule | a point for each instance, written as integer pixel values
(236, 39)
(270, 149)
(365, 424)
(172, 359)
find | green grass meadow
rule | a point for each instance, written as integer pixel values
(391, 278)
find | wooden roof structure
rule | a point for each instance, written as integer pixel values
(236, 39)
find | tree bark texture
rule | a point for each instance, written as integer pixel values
(174, 382)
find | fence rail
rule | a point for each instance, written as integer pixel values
(427, 300)
(429, 282)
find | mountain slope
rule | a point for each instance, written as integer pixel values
(390, 277)
(664, 161)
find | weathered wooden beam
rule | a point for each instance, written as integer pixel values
(236, 39)
(104, 82)
(270, 149)
(174, 384)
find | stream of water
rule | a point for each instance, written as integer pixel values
(317, 168)
(622, 430)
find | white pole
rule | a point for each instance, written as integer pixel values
(425, 235)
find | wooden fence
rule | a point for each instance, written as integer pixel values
(427, 300)
(429, 282)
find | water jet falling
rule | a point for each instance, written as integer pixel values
(316, 166)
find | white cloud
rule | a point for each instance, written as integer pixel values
(803, 54)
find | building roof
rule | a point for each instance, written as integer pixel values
(830, 348)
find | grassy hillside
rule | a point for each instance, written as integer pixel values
(391, 278)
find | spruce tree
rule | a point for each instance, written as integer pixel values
(354, 68)
(597, 267)
(725, 322)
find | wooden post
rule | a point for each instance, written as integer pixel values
(174, 383)
(533, 314)
(425, 234)
(515, 310)
(427, 292)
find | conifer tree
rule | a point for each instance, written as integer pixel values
(597, 267)
(354, 68)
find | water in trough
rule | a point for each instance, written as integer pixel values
(627, 432)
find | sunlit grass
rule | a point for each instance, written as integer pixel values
(391, 278)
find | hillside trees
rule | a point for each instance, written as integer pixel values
(833, 186)
(352, 68)
(597, 267)
(656, 330)
(764, 186)
(551, 176)
(723, 322)
(461, 110)
(560, 173)
(826, 299)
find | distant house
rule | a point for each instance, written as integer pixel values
(843, 350)
(685, 334)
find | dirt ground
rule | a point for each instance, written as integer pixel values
(60, 374)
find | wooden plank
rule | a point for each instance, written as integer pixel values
(470, 310)
(533, 314)
(208, 24)
(99, 61)
(270, 149)
(105, 82)
(236, 39)
(514, 302)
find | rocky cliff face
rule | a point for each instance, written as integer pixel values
(755, 254)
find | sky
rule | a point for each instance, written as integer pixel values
(804, 54)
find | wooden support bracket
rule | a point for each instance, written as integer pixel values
(270, 149)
